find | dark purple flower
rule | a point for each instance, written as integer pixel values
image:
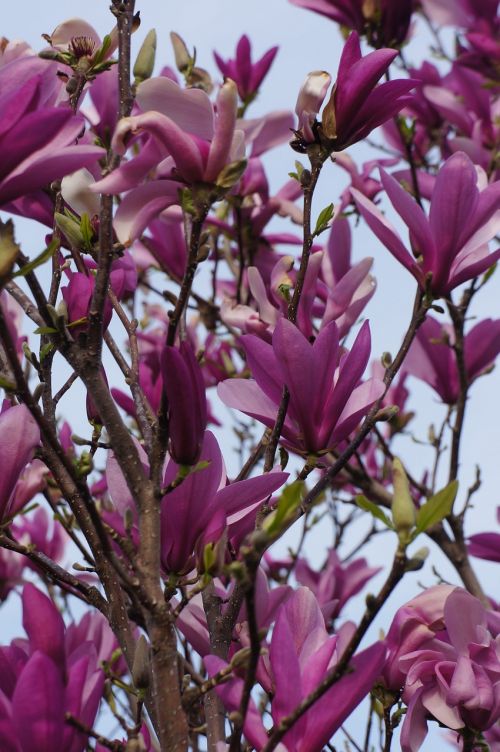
(187, 405)
(247, 75)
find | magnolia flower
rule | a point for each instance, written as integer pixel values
(453, 673)
(327, 400)
(43, 678)
(247, 76)
(19, 436)
(336, 582)
(37, 140)
(356, 105)
(301, 654)
(432, 359)
(187, 405)
(189, 142)
(197, 511)
(451, 245)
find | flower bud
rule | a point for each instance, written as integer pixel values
(403, 507)
(145, 61)
(140, 666)
(183, 59)
(310, 99)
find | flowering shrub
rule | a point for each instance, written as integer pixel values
(203, 311)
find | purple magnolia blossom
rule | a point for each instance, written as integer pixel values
(432, 359)
(451, 245)
(189, 142)
(37, 140)
(199, 510)
(335, 583)
(385, 22)
(454, 673)
(357, 105)
(301, 654)
(333, 290)
(187, 405)
(486, 545)
(327, 400)
(247, 75)
(192, 620)
(42, 679)
(19, 436)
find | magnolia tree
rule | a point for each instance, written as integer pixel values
(174, 283)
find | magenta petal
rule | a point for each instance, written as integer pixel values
(44, 624)
(237, 496)
(190, 109)
(19, 435)
(384, 231)
(227, 104)
(412, 215)
(355, 82)
(42, 170)
(485, 546)
(230, 694)
(38, 705)
(351, 370)
(141, 205)
(287, 678)
(454, 200)
(330, 712)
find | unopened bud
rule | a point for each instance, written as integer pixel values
(8, 248)
(417, 561)
(144, 64)
(70, 229)
(183, 59)
(403, 508)
(386, 359)
(140, 666)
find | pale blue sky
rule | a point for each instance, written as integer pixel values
(307, 42)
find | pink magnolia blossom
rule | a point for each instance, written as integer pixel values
(432, 359)
(246, 74)
(327, 400)
(19, 436)
(451, 245)
(189, 142)
(357, 105)
(199, 510)
(336, 582)
(301, 654)
(454, 674)
(187, 404)
(37, 140)
(42, 679)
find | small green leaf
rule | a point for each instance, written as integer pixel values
(368, 506)
(288, 504)
(87, 231)
(44, 256)
(324, 218)
(6, 384)
(231, 173)
(45, 350)
(45, 330)
(436, 508)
